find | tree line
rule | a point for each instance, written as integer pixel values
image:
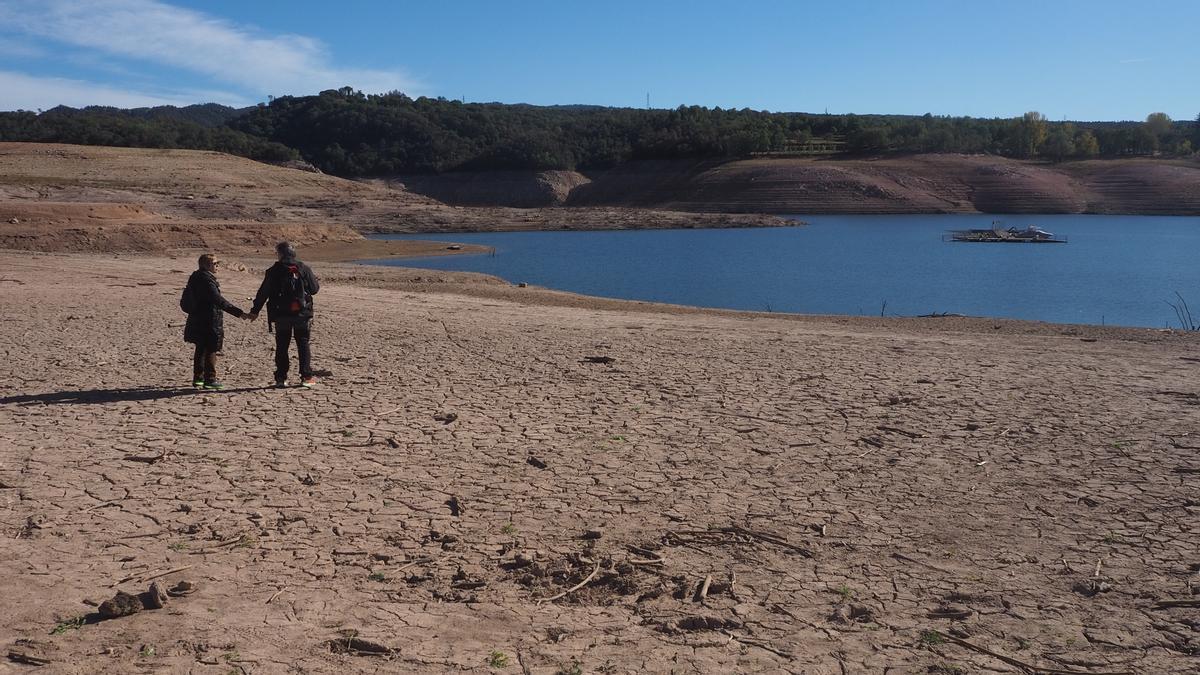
(348, 133)
(138, 129)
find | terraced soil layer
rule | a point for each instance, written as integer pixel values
(57, 197)
(940, 183)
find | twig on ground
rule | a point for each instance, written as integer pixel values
(418, 561)
(1167, 604)
(769, 538)
(702, 592)
(758, 643)
(1021, 664)
(575, 587)
(276, 595)
(141, 576)
(27, 659)
(145, 459)
(902, 432)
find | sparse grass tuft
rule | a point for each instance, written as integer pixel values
(73, 623)
(576, 668)
(509, 529)
(931, 638)
(845, 591)
(178, 546)
(377, 576)
(498, 659)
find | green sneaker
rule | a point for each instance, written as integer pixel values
(198, 383)
(308, 382)
(214, 385)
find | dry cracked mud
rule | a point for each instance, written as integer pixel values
(469, 489)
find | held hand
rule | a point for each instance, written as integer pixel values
(253, 317)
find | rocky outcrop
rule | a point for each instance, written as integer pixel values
(521, 189)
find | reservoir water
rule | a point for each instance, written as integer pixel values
(1116, 270)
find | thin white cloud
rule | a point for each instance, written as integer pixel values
(20, 49)
(19, 91)
(160, 33)
(1134, 60)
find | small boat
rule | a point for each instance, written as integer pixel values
(998, 234)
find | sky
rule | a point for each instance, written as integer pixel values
(1093, 60)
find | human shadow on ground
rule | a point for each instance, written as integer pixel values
(117, 395)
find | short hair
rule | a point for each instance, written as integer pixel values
(206, 260)
(285, 249)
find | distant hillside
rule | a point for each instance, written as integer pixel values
(350, 134)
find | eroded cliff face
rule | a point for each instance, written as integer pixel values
(911, 184)
(520, 189)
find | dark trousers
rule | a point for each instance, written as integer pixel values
(204, 364)
(285, 329)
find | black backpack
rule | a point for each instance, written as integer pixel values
(187, 301)
(292, 297)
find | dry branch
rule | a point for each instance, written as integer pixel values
(575, 587)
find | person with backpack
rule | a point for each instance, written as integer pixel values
(287, 291)
(205, 327)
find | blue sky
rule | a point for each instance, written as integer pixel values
(1098, 60)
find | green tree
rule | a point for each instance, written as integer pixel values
(1158, 123)
(1086, 144)
(1059, 144)
(1029, 134)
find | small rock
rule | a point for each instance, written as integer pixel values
(535, 462)
(14, 221)
(181, 589)
(1091, 587)
(155, 598)
(592, 534)
(121, 604)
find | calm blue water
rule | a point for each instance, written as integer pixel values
(1119, 270)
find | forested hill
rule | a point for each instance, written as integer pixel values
(199, 127)
(348, 133)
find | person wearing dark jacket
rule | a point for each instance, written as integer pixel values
(287, 290)
(205, 326)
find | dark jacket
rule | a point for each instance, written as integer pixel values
(206, 322)
(276, 281)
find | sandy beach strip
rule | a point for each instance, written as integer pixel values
(491, 478)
